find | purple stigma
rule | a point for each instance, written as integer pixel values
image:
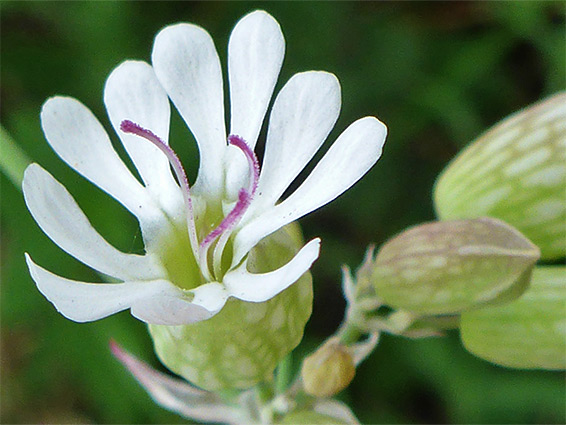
(130, 127)
(244, 199)
(232, 218)
(253, 163)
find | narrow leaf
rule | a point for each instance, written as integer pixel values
(13, 160)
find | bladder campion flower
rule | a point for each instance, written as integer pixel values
(223, 247)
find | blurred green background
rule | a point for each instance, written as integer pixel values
(437, 74)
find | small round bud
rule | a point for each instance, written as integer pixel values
(328, 370)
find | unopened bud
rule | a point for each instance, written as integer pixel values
(515, 172)
(528, 333)
(328, 370)
(452, 266)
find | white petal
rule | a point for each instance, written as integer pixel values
(79, 139)
(133, 92)
(211, 296)
(59, 216)
(156, 301)
(303, 114)
(166, 304)
(262, 287)
(177, 395)
(187, 66)
(255, 54)
(357, 149)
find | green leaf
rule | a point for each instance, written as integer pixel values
(528, 333)
(515, 172)
(13, 160)
(449, 267)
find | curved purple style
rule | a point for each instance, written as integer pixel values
(128, 126)
(245, 196)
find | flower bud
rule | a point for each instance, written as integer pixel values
(328, 370)
(243, 343)
(515, 172)
(528, 333)
(448, 267)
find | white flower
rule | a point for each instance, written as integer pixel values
(196, 242)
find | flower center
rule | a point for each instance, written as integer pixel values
(209, 260)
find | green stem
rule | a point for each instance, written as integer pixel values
(283, 377)
(264, 392)
(13, 160)
(349, 333)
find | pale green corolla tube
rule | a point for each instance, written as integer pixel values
(515, 172)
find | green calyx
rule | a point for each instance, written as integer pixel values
(454, 266)
(528, 333)
(241, 345)
(514, 172)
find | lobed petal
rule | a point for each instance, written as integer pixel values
(211, 296)
(79, 139)
(253, 287)
(255, 55)
(355, 151)
(156, 301)
(132, 92)
(187, 66)
(59, 216)
(303, 115)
